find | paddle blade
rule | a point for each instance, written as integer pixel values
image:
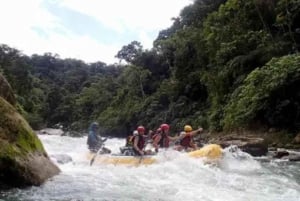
(141, 159)
(92, 161)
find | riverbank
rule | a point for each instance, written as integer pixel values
(276, 144)
(272, 138)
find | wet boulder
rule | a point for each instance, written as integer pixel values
(294, 157)
(23, 159)
(286, 154)
(297, 139)
(61, 158)
(280, 153)
(255, 146)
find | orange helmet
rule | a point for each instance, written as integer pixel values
(164, 127)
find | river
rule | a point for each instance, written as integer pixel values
(237, 177)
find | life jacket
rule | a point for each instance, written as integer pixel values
(154, 136)
(92, 139)
(129, 141)
(186, 141)
(141, 141)
(164, 140)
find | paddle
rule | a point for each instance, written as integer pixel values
(141, 159)
(93, 159)
(142, 156)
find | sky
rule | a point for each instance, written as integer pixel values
(90, 30)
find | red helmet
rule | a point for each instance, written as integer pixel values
(141, 129)
(164, 127)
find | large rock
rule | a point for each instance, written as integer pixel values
(297, 139)
(61, 158)
(23, 160)
(280, 153)
(294, 157)
(252, 145)
(287, 155)
(6, 91)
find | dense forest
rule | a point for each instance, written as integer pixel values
(223, 64)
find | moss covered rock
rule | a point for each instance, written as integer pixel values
(23, 160)
(6, 91)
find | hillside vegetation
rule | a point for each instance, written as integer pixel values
(224, 65)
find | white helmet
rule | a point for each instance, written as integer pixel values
(135, 132)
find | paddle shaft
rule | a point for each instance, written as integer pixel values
(142, 156)
(94, 157)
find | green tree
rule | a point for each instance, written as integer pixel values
(268, 90)
(130, 52)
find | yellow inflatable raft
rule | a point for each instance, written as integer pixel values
(124, 160)
(211, 152)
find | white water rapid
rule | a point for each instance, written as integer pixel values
(238, 177)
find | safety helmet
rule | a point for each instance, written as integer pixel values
(135, 132)
(158, 130)
(188, 128)
(164, 127)
(141, 129)
(94, 125)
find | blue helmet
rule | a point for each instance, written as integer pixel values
(94, 125)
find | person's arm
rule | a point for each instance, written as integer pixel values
(96, 136)
(155, 142)
(177, 138)
(103, 139)
(195, 132)
(174, 138)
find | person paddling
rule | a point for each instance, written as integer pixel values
(129, 139)
(186, 141)
(161, 138)
(139, 141)
(127, 150)
(94, 141)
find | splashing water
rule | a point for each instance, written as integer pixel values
(237, 177)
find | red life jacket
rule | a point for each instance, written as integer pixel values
(154, 136)
(141, 141)
(186, 141)
(164, 140)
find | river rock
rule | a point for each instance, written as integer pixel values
(73, 133)
(286, 154)
(294, 157)
(272, 149)
(6, 91)
(50, 131)
(297, 139)
(61, 158)
(252, 145)
(23, 159)
(280, 154)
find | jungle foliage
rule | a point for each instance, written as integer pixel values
(223, 64)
